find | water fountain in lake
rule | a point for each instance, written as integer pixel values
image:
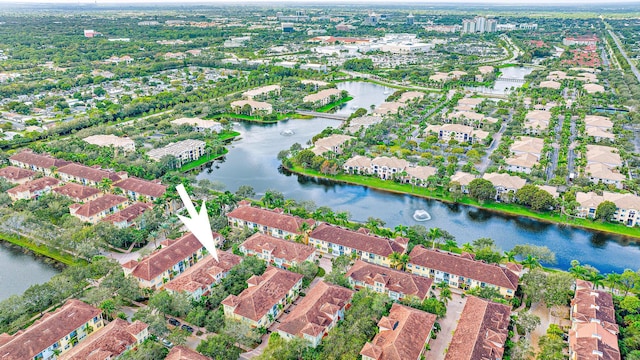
(287, 132)
(421, 215)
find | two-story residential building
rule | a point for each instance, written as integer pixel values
(110, 342)
(17, 175)
(628, 206)
(395, 283)
(463, 179)
(123, 143)
(277, 252)
(256, 107)
(271, 222)
(54, 334)
(201, 277)
(357, 165)
(482, 331)
(317, 313)
(95, 210)
(323, 97)
(387, 168)
(526, 154)
(33, 189)
(536, 121)
(78, 193)
(127, 217)
(43, 163)
(86, 175)
(332, 144)
(265, 91)
(419, 175)
(141, 190)
(461, 271)
(199, 125)
(594, 331)
(505, 184)
(334, 240)
(403, 334)
(265, 299)
(172, 259)
(183, 151)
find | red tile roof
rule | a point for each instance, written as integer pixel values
(128, 214)
(402, 335)
(76, 191)
(316, 311)
(44, 161)
(481, 332)
(357, 240)
(13, 173)
(34, 185)
(48, 330)
(271, 218)
(164, 259)
(282, 249)
(397, 281)
(100, 204)
(183, 353)
(264, 292)
(203, 274)
(464, 266)
(108, 342)
(86, 172)
(142, 187)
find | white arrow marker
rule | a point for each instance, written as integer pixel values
(198, 224)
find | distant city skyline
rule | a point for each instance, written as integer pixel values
(358, 2)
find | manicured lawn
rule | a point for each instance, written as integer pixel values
(66, 259)
(334, 104)
(228, 135)
(202, 160)
(442, 195)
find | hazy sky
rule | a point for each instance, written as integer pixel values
(376, 2)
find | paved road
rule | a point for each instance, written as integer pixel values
(556, 148)
(624, 54)
(485, 161)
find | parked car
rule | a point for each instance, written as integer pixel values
(187, 328)
(174, 322)
(167, 343)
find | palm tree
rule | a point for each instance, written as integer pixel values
(399, 261)
(510, 256)
(108, 307)
(401, 229)
(343, 217)
(595, 278)
(445, 295)
(613, 280)
(434, 234)
(467, 247)
(105, 184)
(531, 262)
(449, 244)
(304, 230)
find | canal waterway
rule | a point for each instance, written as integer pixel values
(252, 161)
(18, 271)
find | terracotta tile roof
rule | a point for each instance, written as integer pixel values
(594, 324)
(86, 172)
(402, 334)
(356, 240)
(108, 342)
(100, 204)
(128, 214)
(397, 281)
(164, 259)
(481, 332)
(44, 161)
(183, 353)
(271, 218)
(263, 293)
(48, 330)
(463, 266)
(282, 249)
(76, 191)
(317, 310)
(142, 187)
(34, 185)
(13, 173)
(203, 274)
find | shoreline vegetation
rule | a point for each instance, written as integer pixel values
(502, 208)
(40, 250)
(333, 105)
(258, 119)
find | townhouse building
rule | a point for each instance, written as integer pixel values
(95, 210)
(271, 222)
(461, 271)
(334, 240)
(277, 252)
(394, 283)
(110, 341)
(317, 313)
(43, 163)
(54, 334)
(265, 299)
(199, 279)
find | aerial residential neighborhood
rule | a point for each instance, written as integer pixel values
(339, 180)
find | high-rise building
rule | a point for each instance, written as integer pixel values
(492, 25)
(481, 23)
(410, 19)
(468, 26)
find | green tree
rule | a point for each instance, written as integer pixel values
(219, 347)
(551, 345)
(605, 210)
(481, 190)
(281, 349)
(541, 253)
(527, 322)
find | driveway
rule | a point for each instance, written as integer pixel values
(448, 326)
